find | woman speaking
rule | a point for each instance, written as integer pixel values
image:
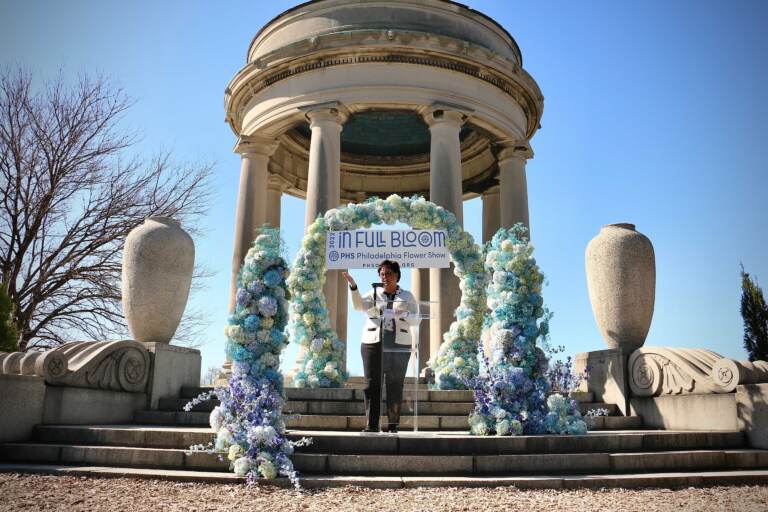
(391, 312)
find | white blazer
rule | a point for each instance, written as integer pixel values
(404, 300)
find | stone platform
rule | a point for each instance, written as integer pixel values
(442, 453)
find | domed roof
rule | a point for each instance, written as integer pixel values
(319, 19)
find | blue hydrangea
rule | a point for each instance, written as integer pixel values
(252, 402)
(243, 297)
(267, 306)
(511, 390)
(251, 323)
(273, 277)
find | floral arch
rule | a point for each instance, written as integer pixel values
(321, 360)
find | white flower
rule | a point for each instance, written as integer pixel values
(268, 470)
(216, 418)
(557, 403)
(242, 466)
(235, 452)
(235, 333)
(480, 429)
(223, 440)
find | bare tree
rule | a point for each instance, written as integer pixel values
(69, 195)
(209, 376)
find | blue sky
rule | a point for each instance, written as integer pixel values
(655, 113)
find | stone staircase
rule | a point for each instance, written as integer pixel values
(343, 410)
(617, 452)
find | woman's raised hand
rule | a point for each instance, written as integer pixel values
(349, 279)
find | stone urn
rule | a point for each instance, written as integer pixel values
(621, 278)
(158, 259)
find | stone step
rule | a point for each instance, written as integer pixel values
(585, 407)
(449, 443)
(614, 422)
(397, 465)
(592, 481)
(115, 456)
(342, 394)
(356, 423)
(348, 407)
(358, 408)
(424, 395)
(350, 402)
(194, 391)
(358, 382)
(340, 422)
(123, 435)
(177, 405)
(582, 396)
(405, 443)
(483, 465)
(180, 418)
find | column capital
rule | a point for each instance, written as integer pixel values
(511, 148)
(255, 145)
(332, 111)
(276, 182)
(444, 113)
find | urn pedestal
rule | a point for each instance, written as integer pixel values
(158, 261)
(621, 278)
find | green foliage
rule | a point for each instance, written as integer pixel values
(755, 314)
(8, 333)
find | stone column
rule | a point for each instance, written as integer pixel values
(274, 197)
(491, 213)
(420, 290)
(513, 195)
(445, 189)
(324, 182)
(251, 211)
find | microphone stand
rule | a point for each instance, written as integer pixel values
(381, 353)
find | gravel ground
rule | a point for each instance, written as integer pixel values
(42, 492)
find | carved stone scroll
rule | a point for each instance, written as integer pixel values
(114, 365)
(728, 373)
(658, 371)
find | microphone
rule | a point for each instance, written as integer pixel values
(376, 285)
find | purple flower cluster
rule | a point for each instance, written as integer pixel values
(560, 374)
(512, 390)
(249, 422)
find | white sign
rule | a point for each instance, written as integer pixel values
(368, 248)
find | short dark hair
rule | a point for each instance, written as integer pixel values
(391, 265)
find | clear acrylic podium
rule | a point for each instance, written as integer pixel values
(423, 312)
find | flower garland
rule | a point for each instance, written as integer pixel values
(248, 424)
(322, 354)
(511, 391)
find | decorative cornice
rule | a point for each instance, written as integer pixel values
(251, 80)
